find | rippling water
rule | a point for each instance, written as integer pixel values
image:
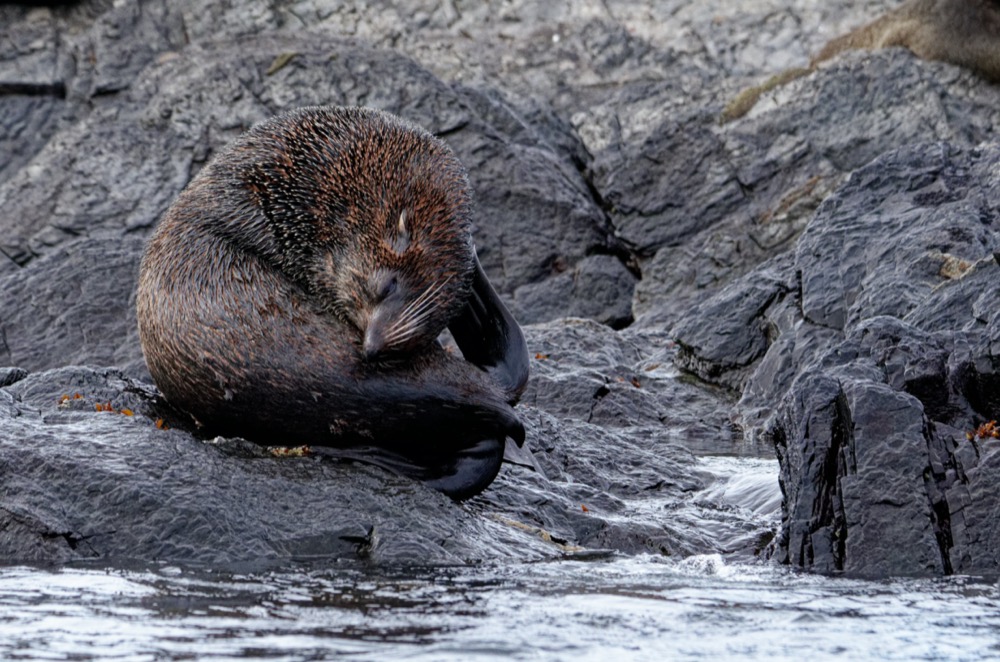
(702, 607)
(640, 608)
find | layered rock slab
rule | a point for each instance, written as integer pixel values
(873, 363)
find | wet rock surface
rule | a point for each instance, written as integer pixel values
(876, 365)
(95, 466)
(817, 277)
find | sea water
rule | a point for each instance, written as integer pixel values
(706, 607)
(643, 608)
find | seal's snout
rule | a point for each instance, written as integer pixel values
(374, 343)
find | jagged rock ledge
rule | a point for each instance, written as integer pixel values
(868, 357)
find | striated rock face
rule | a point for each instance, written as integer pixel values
(869, 357)
(813, 277)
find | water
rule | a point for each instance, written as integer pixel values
(622, 608)
(706, 607)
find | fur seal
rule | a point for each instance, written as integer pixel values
(294, 293)
(963, 32)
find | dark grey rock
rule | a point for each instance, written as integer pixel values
(75, 305)
(726, 335)
(973, 511)
(847, 277)
(86, 484)
(583, 371)
(10, 375)
(663, 182)
(853, 458)
(586, 372)
(128, 37)
(125, 489)
(785, 157)
(879, 359)
(599, 287)
(26, 123)
(30, 58)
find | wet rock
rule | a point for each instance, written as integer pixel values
(664, 179)
(879, 361)
(10, 375)
(75, 305)
(727, 334)
(81, 484)
(154, 493)
(599, 287)
(770, 179)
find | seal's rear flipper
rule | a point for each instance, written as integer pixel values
(461, 474)
(490, 337)
(521, 456)
(469, 472)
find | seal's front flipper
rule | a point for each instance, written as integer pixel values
(490, 337)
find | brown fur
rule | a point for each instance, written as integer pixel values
(260, 287)
(962, 32)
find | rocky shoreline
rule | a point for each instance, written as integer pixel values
(813, 277)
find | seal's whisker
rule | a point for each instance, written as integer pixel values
(416, 302)
(430, 297)
(400, 332)
(427, 305)
(426, 301)
(429, 291)
(409, 324)
(424, 297)
(406, 319)
(422, 302)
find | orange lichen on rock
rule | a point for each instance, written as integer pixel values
(107, 406)
(290, 451)
(987, 430)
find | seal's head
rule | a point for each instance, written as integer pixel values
(370, 215)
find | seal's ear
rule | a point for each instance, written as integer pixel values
(401, 236)
(490, 337)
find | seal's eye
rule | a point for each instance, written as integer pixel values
(387, 289)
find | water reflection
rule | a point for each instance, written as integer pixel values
(698, 608)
